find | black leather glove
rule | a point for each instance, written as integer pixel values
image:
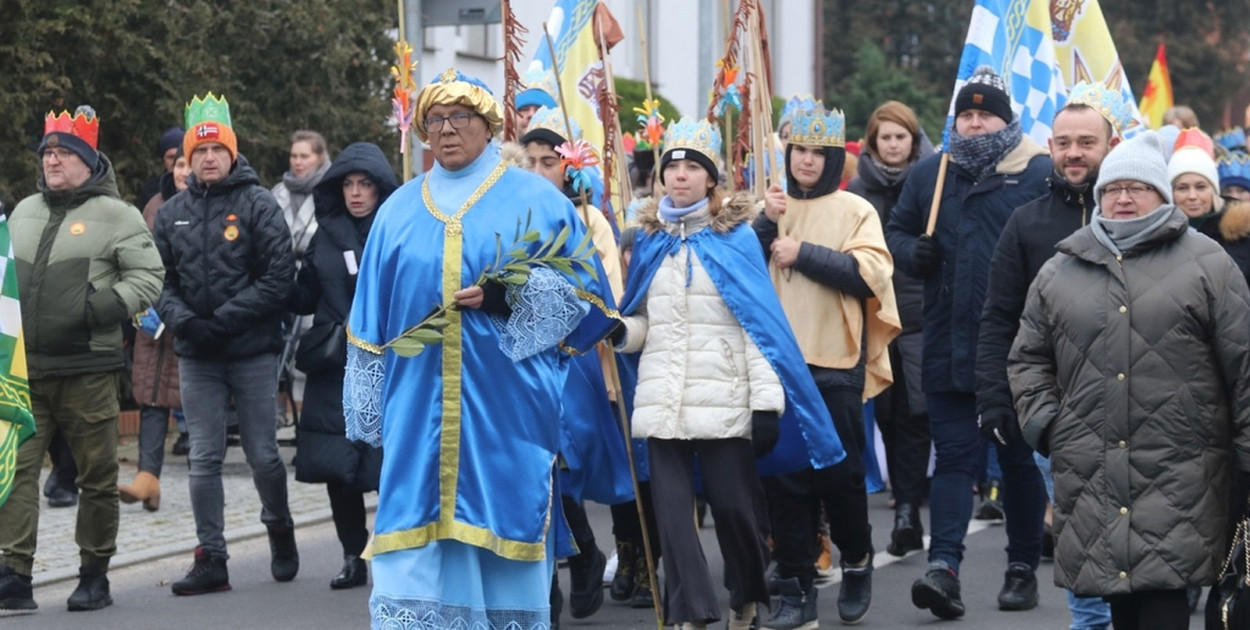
(204, 334)
(617, 336)
(998, 425)
(495, 299)
(926, 253)
(765, 431)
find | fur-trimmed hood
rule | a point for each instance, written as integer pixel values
(739, 207)
(1235, 220)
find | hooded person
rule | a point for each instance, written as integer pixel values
(347, 199)
(84, 263)
(993, 169)
(1132, 363)
(719, 376)
(831, 269)
(466, 532)
(229, 272)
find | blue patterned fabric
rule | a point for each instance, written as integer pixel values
(545, 310)
(363, 380)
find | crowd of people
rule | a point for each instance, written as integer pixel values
(1066, 329)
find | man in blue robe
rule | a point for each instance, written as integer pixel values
(466, 532)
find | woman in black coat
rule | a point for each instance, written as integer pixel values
(346, 200)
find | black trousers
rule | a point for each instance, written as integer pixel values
(583, 535)
(794, 499)
(1150, 610)
(347, 507)
(905, 435)
(626, 526)
(736, 499)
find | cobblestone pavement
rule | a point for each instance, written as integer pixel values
(169, 531)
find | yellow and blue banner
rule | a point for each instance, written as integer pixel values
(571, 27)
(16, 422)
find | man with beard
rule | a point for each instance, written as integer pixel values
(993, 168)
(1085, 130)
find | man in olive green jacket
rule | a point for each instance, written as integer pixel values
(85, 263)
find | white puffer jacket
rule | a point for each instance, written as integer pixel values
(700, 375)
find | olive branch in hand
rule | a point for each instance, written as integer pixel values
(514, 269)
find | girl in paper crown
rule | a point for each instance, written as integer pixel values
(718, 367)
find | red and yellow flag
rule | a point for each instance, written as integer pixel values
(1158, 95)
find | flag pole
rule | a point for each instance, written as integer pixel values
(646, 81)
(937, 194)
(568, 126)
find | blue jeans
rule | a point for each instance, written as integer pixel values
(958, 444)
(1088, 613)
(207, 389)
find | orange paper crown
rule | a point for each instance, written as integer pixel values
(81, 126)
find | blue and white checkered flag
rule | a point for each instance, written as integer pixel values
(1014, 38)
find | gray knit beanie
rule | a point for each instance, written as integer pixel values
(1140, 159)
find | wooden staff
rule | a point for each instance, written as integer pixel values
(406, 155)
(568, 126)
(614, 134)
(512, 45)
(646, 82)
(937, 194)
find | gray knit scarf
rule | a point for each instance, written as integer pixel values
(980, 154)
(301, 187)
(1122, 235)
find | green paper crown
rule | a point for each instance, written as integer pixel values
(209, 109)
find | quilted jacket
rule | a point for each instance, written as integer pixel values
(700, 375)
(1135, 370)
(227, 255)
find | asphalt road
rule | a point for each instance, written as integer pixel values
(143, 599)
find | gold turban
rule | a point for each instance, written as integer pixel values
(455, 88)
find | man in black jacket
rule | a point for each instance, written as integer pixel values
(230, 269)
(1082, 137)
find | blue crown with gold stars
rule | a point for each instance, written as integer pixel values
(694, 135)
(818, 127)
(1109, 103)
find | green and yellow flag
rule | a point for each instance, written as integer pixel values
(16, 422)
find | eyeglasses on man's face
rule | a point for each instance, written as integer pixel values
(1136, 191)
(434, 124)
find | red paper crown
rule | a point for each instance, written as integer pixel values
(81, 126)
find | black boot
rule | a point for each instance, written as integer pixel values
(938, 591)
(355, 573)
(795, 608)
(586, 576)
(92, 592)
(16, 590)
(182, 445)
(62, 497)
(1019, 588)
(643, 597)
(855, 596)
(908, 534)
(623, 582)
(284, 557)
(207, 575)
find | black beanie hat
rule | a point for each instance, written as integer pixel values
(987, 91)
(170, 139)
(682, 153)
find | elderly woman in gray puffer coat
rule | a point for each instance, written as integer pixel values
(1132, 368)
